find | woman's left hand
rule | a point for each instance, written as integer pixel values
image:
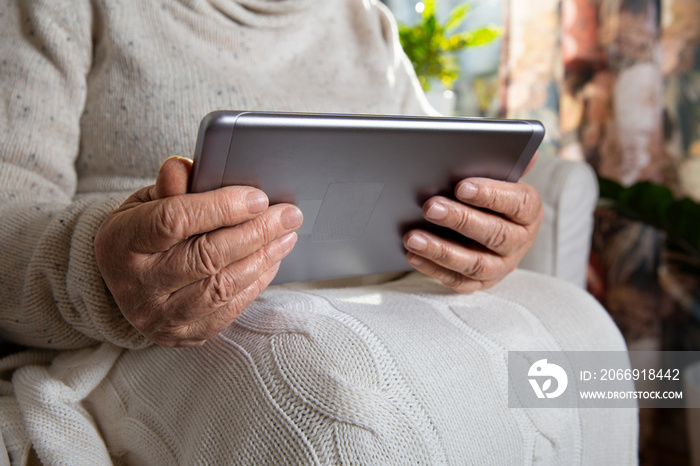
(501, 218)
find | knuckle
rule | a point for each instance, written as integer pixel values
(442, 253)
(451, 280)
(222, 288)
(269, 255)
(528, 206)
(476, 268)
(170, 217)
(208, 257)
(230, 204)
(462, 219)
(263, 229)
(498, 237)
(490, 196)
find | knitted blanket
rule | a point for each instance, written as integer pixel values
(404, 372)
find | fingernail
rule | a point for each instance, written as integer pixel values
(416, 260)
(257, 202)
(436, 212)
(291, 218)
(417, 243)
(286, 243)
(467, 191)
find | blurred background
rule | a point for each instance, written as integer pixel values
(617, 85)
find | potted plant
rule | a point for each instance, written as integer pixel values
(679, 219)
(432, 46)
(656, 205)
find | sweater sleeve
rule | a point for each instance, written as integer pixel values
(51, 292)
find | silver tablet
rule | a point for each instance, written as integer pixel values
(359, 180)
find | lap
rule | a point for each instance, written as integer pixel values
(402, 372)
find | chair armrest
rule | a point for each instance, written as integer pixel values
(569, 192)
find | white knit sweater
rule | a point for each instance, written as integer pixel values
(94, 95)
(97, 94)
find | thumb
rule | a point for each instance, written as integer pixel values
(172, 178)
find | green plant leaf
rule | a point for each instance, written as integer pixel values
(457, 41)
(609, 189)
(655, 205)
(650, 200)
(431, 53)
(457, 16)
(430, 26)
(429, 9)
(475, 38)
(684, 221)
(483, 36)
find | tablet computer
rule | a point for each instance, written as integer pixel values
(359, 180)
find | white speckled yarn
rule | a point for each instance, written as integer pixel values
(94, 95)
(97, 94)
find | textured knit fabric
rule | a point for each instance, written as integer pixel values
(94, 95)
(401, 373)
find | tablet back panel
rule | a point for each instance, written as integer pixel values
(360, 181)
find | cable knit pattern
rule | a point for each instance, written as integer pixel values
(94, 95)
(399, 373)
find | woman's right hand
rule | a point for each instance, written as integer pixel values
(182, 267)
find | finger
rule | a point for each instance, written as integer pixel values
(447, 277)
(496, 233)
(171, 181)
(518, 202)
(172, 178)
(471, 263)
(197, 300)
(205, 255)
(161, 224)
(212, 324)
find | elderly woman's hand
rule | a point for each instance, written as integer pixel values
(182, 267)
(501, 218)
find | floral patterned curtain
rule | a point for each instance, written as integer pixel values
(617, 83)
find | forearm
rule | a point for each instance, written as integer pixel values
(51, 292)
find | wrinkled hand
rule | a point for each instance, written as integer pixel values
(182, 267)
(501, 218)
